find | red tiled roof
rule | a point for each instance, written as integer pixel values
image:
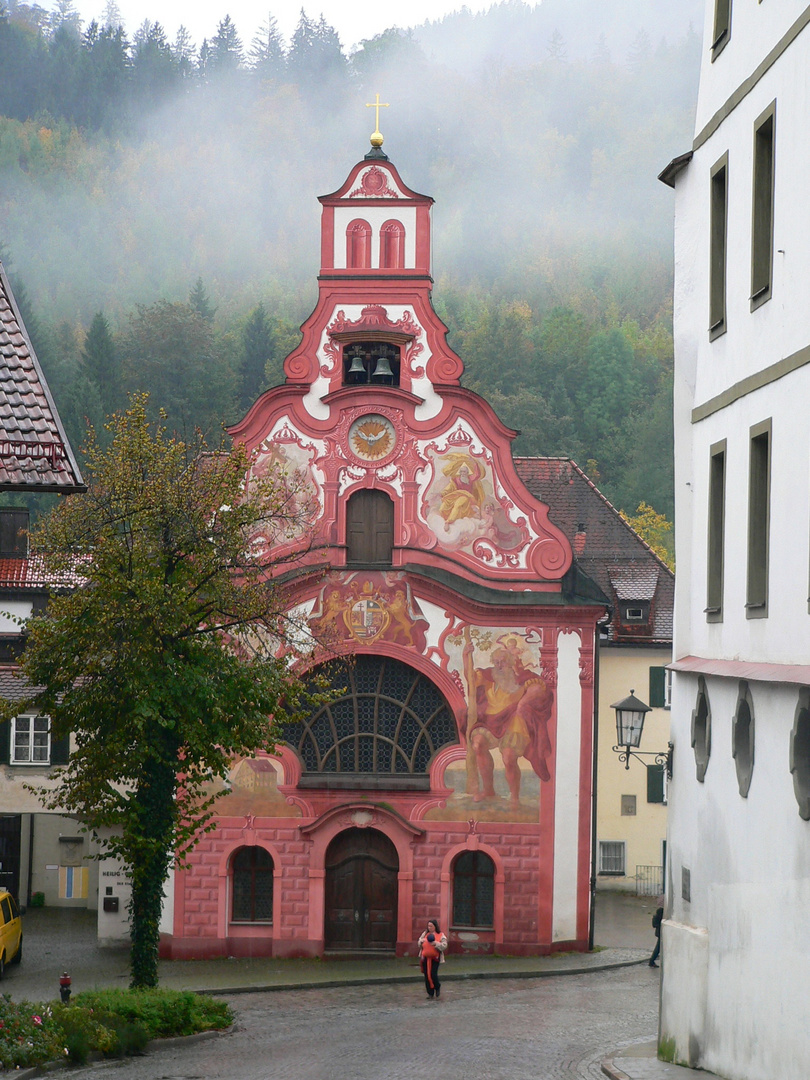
(30, 573)
(606, 548)
(632, 583)
(34, 451)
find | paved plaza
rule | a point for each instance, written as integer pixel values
(543, 1018)
(533, 1029)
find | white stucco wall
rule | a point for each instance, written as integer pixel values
(736, 947)
(567, 788)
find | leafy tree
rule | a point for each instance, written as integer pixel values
(655, 530)
(164, 662)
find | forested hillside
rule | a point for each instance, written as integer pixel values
(159, 219)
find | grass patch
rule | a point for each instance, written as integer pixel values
(115, 1023)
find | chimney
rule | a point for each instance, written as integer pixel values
(13, 532)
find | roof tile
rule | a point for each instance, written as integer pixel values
(34, 451)
(607, 548)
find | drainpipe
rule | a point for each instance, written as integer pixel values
(30, 856)
(593, 780)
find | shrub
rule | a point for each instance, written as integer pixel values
(163, 1013)
(116, 1023)
(29, 1034)
(37, 900)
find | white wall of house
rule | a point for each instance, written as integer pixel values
(736, 944)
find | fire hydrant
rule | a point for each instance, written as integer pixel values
(64, 988)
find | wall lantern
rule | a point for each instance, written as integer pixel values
(630, 715)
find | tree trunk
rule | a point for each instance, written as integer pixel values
(148, 836)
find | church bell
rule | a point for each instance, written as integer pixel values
(382, 372)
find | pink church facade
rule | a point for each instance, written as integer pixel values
(451, 776)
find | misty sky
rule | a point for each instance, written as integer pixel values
(354, 20)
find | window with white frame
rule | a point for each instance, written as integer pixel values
(30, 740)
(611, 857)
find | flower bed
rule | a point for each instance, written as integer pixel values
(114, 1023)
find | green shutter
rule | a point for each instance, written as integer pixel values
(5, 742)
(655, 783)
(60, 750)
(658, 687)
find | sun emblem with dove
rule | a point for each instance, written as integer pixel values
(372, 438)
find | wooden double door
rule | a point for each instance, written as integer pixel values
(362, 869)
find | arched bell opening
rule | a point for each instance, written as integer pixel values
(371, 362)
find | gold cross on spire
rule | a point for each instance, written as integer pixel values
(376, 138)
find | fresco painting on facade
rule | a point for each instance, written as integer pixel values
(252, 790)
(286, 454)
(506, 731)
(461, 505)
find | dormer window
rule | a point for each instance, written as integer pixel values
(374, 362)
(358, 244)
(637, 611)
(392, 245)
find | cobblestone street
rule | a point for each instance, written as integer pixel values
(524, 1029)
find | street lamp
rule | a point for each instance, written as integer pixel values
(630, 713)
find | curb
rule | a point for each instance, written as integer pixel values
(332, 984)
(610, 1070)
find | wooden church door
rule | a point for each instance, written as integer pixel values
(370, 528)
(362, 868)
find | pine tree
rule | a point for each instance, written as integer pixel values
(266, 55)
(226, 48)
(183, 52)
(257, 343)
(100, 363)
(198, 299)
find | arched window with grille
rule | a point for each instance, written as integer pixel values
(358, 244)
(381, 730)
(252, 885)
(474, 890)
(392, 245)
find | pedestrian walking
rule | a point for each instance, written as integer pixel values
(656, 921)
(432, 945)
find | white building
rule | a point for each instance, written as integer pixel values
(736, 942)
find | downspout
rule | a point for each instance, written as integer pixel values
(31, 818)
(593, 781)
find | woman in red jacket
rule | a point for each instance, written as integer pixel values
(432, 945)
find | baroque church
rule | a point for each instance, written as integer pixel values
(451, 775)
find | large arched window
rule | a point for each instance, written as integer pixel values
(252, 885)
(369, 528)
(358, 244)
(473, 890)
(381, 730)
(392, 245)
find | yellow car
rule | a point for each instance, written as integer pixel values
(10, 931)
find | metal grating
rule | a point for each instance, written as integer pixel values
(391, 720)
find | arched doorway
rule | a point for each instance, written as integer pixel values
(362, 868)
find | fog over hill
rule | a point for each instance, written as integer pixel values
(128, 171)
